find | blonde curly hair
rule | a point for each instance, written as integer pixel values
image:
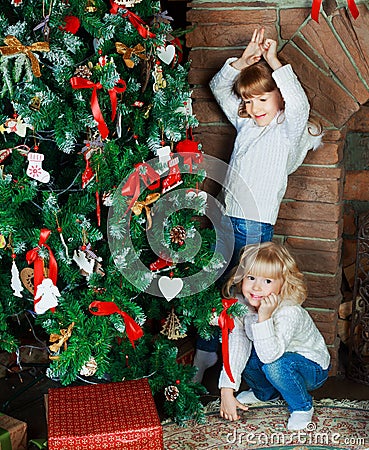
(270, 260)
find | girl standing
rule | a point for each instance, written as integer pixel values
(276, 348)
(267, 105)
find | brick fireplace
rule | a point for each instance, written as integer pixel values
(331, 59)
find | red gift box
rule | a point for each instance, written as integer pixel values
(112, 416)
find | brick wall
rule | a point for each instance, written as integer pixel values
(331, 59)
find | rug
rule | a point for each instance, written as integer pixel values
(336, 424)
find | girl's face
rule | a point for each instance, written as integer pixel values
(255, 288)
(263, 108)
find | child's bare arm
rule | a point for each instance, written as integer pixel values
(229, 405)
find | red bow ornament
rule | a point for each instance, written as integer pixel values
(147, 174)
(135, 20)
(226, 324)
(33, 256)
(83, 83)
(133, 330)
(317, 4)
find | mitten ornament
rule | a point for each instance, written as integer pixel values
(35, 169)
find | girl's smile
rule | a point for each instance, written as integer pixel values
(255, 288)
(264, 107)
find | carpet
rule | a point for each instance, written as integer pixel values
(336, 424)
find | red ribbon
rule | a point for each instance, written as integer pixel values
(135, 20)
(83, 83)
(317, 4)
(189, 150)
(148, 175)
(226, 323)
(133, 330)
(33, 256)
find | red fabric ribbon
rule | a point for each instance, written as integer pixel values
(226, 323)
(317, 4)
(148, 175)
(83, 83)
(133, 330)
(135, 20)
(189, 150)
(32, 256)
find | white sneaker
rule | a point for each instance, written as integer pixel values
(248, 398)
(299, 420)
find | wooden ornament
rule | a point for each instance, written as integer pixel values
(26, 275)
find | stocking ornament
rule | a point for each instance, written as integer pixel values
(48, 294)
(35, 169)
(174, 177)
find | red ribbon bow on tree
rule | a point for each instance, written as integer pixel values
(135, 20)
(148, 175)
(33, 256)
(226, 323)
(189, 150)
(133, 330)
(83, 83)
(317, 4)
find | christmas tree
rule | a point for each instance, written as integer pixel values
(100, 244)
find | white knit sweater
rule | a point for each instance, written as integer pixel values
(290, 329)
(263, 157)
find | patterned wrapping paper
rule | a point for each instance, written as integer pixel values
(13, 433)
(112, 416)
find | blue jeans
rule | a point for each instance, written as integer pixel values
(292, 376)
(245, 232)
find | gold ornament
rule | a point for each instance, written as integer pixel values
(35, 104)
(14, 46)
(128, 52)
(90, 6)
(172, 327)
(60, 340)
(138, 207)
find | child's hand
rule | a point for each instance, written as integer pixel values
(269, 52)
(267, 306)
(253, 52)
(229, 405)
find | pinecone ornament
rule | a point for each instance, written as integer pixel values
(171, 393)
(178, 234)
(83, 72)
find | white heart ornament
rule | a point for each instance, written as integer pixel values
(170, 287)
(166, 54)
(200, 194)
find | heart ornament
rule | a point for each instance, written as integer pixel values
(27, 275)
(166, 54)
(170, 287)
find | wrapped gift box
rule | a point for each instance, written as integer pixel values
(13, 433)
(112, 416)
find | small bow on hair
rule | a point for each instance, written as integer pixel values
(14, 46)
(138, 207)
(127, 53)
